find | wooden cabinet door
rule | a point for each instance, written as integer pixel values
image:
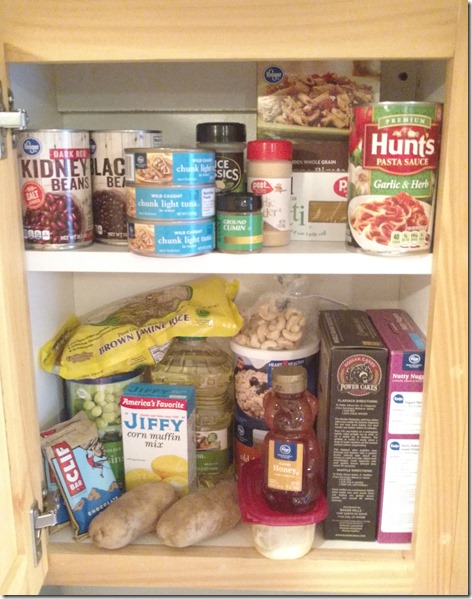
(20, 455)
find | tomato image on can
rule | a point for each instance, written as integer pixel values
(393, 162)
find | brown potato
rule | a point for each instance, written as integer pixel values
(132, 515)
(199, 516)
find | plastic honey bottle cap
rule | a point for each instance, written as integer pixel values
(289, 379)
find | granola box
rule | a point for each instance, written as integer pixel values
(158, 428)
(406, 344)
(351, 395)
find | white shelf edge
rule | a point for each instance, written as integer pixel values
(302, 257)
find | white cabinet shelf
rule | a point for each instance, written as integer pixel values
(299, 257)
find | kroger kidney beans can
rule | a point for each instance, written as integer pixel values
(55, 183)
(108, 180)
(393, 163)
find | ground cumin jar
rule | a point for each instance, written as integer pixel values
(238, 223)
(269, 174)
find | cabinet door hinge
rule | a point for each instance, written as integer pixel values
(9, 119)
(38, 521)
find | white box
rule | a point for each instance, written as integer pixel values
(319, 207)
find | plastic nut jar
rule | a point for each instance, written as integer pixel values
(228, 141)
(269, 173)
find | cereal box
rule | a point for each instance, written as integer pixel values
(351, 396)
(158, 429)
(406, 345)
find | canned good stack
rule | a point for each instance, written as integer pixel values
(170, 201)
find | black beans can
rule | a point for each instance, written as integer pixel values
(108, 180)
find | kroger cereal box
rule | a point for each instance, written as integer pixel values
(406, 345)
(158, 430)
(309, 104)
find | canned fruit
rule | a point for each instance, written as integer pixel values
(393, 160)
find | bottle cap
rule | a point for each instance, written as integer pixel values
(269, 149)
(221, 132)
(238, 202)
(289, 379)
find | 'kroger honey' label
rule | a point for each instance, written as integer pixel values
(393, 161)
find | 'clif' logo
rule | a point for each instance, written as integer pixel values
(273, 74)
(31, 146)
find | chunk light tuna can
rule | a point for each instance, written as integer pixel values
(171, 239)
(393, 162)
(56, 190)
(108, 180)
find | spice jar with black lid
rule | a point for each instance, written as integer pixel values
(238, 223)
(228, 141)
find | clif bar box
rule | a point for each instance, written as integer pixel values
(351, 395)
(406, 345)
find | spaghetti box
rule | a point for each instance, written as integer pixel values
(349, 426)
(158, 430)
(406, 345)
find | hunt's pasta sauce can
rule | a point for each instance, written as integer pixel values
(393, 164)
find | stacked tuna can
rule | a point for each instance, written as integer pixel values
(170, 197)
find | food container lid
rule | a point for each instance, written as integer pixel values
(238, 202)
(269, 149)
(255, 510)
(106, 380)
(221, 132)
(289, 379)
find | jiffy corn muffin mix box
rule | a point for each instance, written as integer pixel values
(158, 428)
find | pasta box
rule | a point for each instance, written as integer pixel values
(349, 426)
(309, 104)
(406, 345)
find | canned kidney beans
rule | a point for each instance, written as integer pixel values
(54, 171)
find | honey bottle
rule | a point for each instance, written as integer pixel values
(290, 451)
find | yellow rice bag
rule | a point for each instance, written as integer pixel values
(134, 332)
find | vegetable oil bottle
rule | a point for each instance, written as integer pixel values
(200, 362)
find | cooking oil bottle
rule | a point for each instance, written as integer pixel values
(199, 362)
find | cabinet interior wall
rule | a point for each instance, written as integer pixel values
(174, 97)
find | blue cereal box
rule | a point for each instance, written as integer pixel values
(158, 430)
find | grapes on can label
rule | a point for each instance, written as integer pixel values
(56, 191)
(100, 400)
